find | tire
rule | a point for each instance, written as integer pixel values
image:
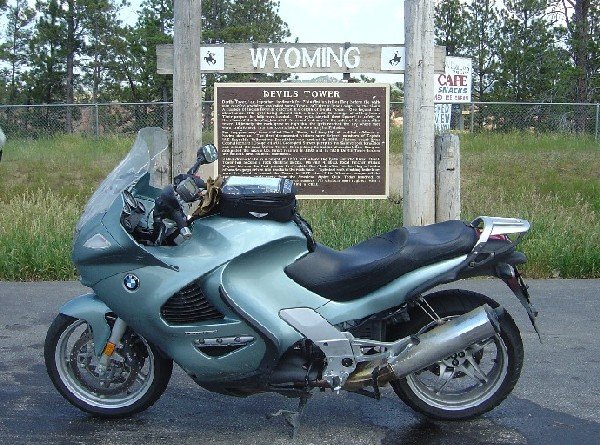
(71, 369)
(438, 397)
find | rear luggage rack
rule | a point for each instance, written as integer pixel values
(490, 226)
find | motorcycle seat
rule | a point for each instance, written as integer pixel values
(360, 269)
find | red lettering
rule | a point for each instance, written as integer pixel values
(458, 80)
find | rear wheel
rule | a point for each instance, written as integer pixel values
(135, 378)
(469, 382)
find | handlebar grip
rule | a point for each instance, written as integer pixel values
(167, 206)
(181, 221)
(179, 218)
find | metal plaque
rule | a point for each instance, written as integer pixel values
(331, 139)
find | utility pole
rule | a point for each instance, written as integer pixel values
(419, 153)
(187, 90)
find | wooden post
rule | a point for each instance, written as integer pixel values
(447, 177)
(419, 155)
(160, 175)
(187, 90)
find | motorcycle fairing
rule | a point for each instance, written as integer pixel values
(123, 254)
(245, 258)
(216, 241)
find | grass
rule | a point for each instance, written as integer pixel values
(552, 180)
(69, 166)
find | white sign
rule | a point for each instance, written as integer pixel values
(212, 58)
(443, 114)
(454, 86)
(392, 58)
(298, 58)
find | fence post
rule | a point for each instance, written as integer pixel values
(472, 113)
(96, 121)
(447, 177)
(597, 120)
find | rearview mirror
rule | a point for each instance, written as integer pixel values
(209, 153)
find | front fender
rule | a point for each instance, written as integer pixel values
(90, 308)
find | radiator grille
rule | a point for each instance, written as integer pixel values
(189, 305)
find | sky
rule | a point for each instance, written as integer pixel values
(339, 21)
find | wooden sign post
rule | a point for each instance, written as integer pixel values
(187, 87)
(419, 155)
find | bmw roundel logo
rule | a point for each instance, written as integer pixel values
(131, 282)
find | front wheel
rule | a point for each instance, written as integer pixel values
(469, 382)
(135, 378)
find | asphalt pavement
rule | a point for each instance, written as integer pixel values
(555, 402)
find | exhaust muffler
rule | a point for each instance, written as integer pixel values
(440, 342)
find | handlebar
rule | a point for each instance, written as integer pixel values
(170, 205)
(167, 206)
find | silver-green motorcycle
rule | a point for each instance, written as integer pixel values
(248, 304)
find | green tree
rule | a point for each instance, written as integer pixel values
(241, 21)
(101, 30)
(582, 40)
(47, 55)
(451, 26)
(16, 47)
(529, 61)
(594, 51)
(134, 70)
(55, 47)
(483, 33)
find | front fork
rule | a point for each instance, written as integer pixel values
(118, 330)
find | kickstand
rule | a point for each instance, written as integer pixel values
(292, 418)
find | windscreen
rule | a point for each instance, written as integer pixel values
(142, 157)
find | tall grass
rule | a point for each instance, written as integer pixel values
(551, 180)
(44, 184)
(71, 166)
(342, 223)
(36, 230)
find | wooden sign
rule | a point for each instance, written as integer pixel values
(331, 139)
(298, 58)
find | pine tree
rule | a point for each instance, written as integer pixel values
(16, 47)
(582, 40)
(451, 26)
(242, 21)
(529, 62)
(483, 28)
(47, 54)
(101, 30)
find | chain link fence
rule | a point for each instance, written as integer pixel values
(37, 121)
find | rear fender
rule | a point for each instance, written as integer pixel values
(90, 308)
(515, 283)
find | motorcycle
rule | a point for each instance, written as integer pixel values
(248, 303)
